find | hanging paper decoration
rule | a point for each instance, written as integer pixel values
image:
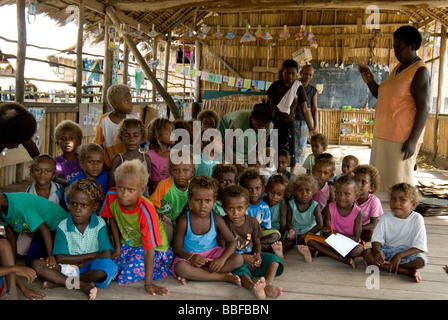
(267, 35)
(139, 76)
(218, 33)
(31, 11)
(230, 35)
(153, 33)
(247, 37)
(153, 64)
(138, 32)
(285, 34)
(310, 35)
(301, 34)
(205, 29)
(122, 31)
(259, 33)
(189, 33)
(98, 31)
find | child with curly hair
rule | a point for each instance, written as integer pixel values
(399, 240)
(226, 175)
(369, 181)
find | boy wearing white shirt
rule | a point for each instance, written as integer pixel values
(399, 239)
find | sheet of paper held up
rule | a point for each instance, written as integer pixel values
(341, 243)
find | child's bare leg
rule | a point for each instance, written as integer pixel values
(329, 252)
(233, 262)
(185, 270)
(277, 248)
(270, 290)
(257, 288)
(54, 277)
(7, 260)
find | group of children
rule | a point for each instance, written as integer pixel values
(109, 210)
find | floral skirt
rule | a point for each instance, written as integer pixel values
(132, 264)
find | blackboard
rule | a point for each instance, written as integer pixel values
(344, 87)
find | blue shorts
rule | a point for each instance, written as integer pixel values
(104, 264)
(390, 252)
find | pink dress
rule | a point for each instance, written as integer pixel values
(372, 208)
(342, 224)
(322, 195)
(159, 166)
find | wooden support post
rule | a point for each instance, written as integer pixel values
(21, 52)
(125, 64)
(79, 45)
(440, 91)
(110, 11)
(107, 67)
(197, 66)
(154, 49)
(167, 60)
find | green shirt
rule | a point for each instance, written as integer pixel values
(70, 241)
(26, 212)
(168, 199)
(241, 120)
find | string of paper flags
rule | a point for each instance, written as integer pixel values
(231, 81)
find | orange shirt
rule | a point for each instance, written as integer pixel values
(395, 109)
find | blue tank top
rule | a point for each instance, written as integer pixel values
(203, 242)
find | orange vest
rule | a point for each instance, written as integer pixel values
(395, 108)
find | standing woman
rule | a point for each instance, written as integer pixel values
(401, 111)
(300, 126)
(289, 97)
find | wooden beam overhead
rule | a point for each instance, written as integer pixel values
(156, 5)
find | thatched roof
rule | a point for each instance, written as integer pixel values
(340, 26)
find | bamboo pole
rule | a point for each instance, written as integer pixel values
(110, 11)
(79, 46)
(107, 77)
(167, 60)
(197, 66)
(440, 91)
(21, 52)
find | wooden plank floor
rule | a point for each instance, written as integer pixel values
(323, 278)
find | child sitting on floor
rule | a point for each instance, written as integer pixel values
(349, 163)
(171, 195)
(81, 247)
(342, 216)
(68, 136)
(227, 175)
(369, 181)
(254, 182)
(25, 212)
(160, 143)
(319, 144)
(304, 214)
(283, 162)
(399, 240)
(247, 232)
(142, 249)
(275, 199)
(91, 159)
(198, 256)
(9, 276)
(323, 170)
(132, 133)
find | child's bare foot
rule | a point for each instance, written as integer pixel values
(259, 288)
(417, 276)
(277, 248)
(182, 280)
(12, 295)
(89, 289)
(305, 252)
(351, 262)
(230, 278)
(47, 285)
(273, 291)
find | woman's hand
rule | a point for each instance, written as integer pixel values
(366, 74)
(408, 149)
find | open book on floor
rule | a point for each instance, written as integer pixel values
(341, 243)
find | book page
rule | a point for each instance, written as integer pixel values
(341, 243)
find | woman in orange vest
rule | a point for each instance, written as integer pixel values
(401, 110)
